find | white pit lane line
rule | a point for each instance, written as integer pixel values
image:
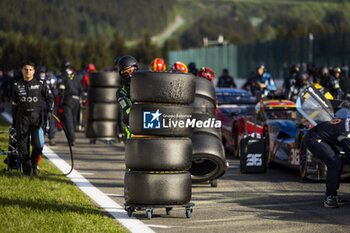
(130, 223)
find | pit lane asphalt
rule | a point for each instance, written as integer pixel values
(277, 201)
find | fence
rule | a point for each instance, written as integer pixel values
(277, 55)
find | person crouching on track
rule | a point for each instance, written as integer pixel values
(320, 140)
(27, 95)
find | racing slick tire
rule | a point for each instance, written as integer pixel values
(170, 115)
(158, 153)
(104, 79)
(100, 94)
(162, 87)
(205, 89)
(207, 130)
(157, 188)
(203, 105)
(101, 129)
(208, 158)
(102, 111)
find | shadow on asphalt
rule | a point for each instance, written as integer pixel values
(108, 160)
(279, 173)
(306, 208)
(107, 185)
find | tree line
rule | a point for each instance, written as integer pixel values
(91, 31)
(80, 19)
(97, 51)
(273, 20)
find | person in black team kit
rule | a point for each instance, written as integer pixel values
(127, 65)
(330, 83)
(27, 95)
(225, 80)
(69, 92)
(320, 140)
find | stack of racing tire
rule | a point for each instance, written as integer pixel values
(208, 157)
(103, 108)
(158, 155)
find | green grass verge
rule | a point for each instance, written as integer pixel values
(46, 203)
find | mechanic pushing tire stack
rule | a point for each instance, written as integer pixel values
(158, 154)
(208, 156)
(102, 111)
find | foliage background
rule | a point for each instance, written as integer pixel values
(91, 31)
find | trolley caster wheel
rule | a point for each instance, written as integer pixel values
(214, 183)
(130, 212)
(149, 213)
(188, 213)
(168, 210)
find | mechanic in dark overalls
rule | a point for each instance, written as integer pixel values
(127, 65)
(320, 140)
(297, 85)
(28, 94)
(330, 83)
(69, 93)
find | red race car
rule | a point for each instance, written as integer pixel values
(233, 104)
(235, 126)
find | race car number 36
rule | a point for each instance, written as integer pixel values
(295, 156)
(254, 160)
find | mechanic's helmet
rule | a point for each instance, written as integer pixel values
(295, 68)
(323, 72)
(90, 67)
(158, 64)
(115, 64)
(336, 69)
(65, 64)
(301, 79)
(206, 73)
(127, 65)
(179, 66)
(260, 65)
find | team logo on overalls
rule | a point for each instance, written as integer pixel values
(151, 120)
